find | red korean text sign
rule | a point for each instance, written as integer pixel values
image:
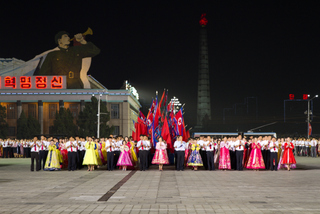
(33, 82)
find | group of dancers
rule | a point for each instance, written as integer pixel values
(206, 152)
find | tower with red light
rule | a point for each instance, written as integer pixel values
(203, 101)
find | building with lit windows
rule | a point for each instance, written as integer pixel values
(43, 103)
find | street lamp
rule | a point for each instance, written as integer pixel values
(308, 114)
(98, 116)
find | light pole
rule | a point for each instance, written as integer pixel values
(98, 116)
(308, 114)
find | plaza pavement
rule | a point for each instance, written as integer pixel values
(169, 191)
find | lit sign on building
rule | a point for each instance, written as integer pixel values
(132, 89)
(33, 82)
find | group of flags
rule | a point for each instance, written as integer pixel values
(161, 121)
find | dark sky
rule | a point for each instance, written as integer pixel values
(266, 49)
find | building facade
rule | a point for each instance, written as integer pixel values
(43, 104)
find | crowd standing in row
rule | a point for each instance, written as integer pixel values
(207, 152)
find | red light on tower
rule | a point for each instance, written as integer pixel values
(203, 21)
(305, 96)
(291, 96)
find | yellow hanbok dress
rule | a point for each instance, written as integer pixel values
(104, 151)
(133, 152)
(90, 157)
(52, 162)
(96, 150)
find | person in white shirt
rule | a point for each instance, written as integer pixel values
(148, 147)
(179, 147)
(273, 147)
(143, 154)
(118, 144)
(209, 146)
(313, 144)
(71, 146)
(203, 152)
(306, 147)
(5, 146)
(81, 151)
(239, 145)
(35, 145)
(43, 154)
(110, 153)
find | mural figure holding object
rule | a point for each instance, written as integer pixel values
(73, 62)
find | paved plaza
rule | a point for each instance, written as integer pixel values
(169, 191)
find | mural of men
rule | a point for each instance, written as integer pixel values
(68, 60)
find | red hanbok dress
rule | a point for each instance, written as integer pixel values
(288, 157)
(64, 154)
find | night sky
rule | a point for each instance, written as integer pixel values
(266, 49)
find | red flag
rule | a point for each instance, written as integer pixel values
(179, 122)
(165, 133)
(310, 129)
(142, 116)
(188, 134)
(184, 136)
(162, 98)
(156, 117)
(153, 105)
(133, 135)
(143, 127)
(169, 107)
(137, 133)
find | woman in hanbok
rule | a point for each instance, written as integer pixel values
(56, 142)
(217, 154)
(133, 154)
(281, 143)
(255, 160)
(64, 153)
(97, 149)
(195, 157)
(288, 157)
(52, 162)
(187, 152)
(224, 160)
(247, 152)
(124, 158)
(160, 156)
(90, 157)
(103, 149)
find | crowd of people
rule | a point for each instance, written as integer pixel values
(208, 153)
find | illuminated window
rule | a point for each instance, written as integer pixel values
(52, 111)
(74, 108)
(32, 110)
(114, 111)
(11, 111)
(116, 130)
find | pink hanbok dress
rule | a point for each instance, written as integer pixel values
(255, 160)
(224, 161)
(124, 158)
(160, 156)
